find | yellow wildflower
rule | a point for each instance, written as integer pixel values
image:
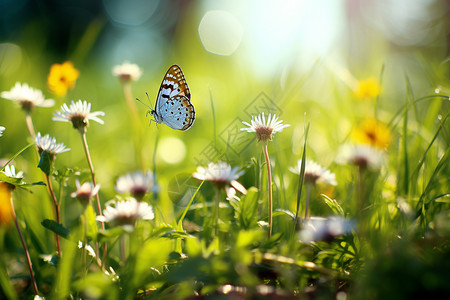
(5, 203)
(367, 88)
(371, 132)
(62, 77)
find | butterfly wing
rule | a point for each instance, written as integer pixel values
(173, 94)
(178, 113)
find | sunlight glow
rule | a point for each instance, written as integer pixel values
(220, 32)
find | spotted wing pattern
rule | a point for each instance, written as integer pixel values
(173, 106)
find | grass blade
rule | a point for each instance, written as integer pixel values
(302, 175)
(17, 154)
(180, 221)
(211, 99)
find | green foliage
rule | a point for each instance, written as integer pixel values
(45, 163)
(56, 228)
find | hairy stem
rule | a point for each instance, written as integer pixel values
(269, 182)
(30, 125)
(91, 167)
(135, 120)
(57, 211)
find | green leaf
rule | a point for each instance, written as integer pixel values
(5, 283)
(64, 277)
(283, 212)
(248, 209)
(92, 229)
(56, 228)
(45, 163)
(333, 205)
(154, 253)
(31, 184)
(11, 180)
(110, 234)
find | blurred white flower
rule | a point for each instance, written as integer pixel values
(1, 130)
(88, 248)
(47, 143)
(314, 172)
(85, 191)
(27, 97)
(324, 229)
(119, 213)
(10, 171)
(127, 72)
(364, 156)
(78, 113)
(137, 184)
(221, 174)
(265, 130)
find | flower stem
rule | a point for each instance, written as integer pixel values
(85, 268)
(30, 125)
(308, 195)
(135, 120)
(216, 211)
(269, 181)
(122, 248)
(91, 167)
(57, 211)
(129, 98)
(27, 253)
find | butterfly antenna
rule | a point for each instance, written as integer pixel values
(143, 102)
(148, 99)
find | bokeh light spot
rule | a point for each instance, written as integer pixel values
(220, 32)
(171, 150)
(11, 55)
(130, 12)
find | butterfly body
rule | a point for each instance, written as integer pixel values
(173, 105)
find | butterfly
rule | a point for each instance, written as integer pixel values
(173, 105)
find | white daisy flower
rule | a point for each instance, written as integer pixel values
(324, 229)
(79, 113)
(314, 172)
(265, 130)
(137, 184)
(85, 191)
(364, 156)
(47, 143)
(1, 130)
(220, 174)
(127, 72)
(27, 97)
(126, 212)
(10, 171)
